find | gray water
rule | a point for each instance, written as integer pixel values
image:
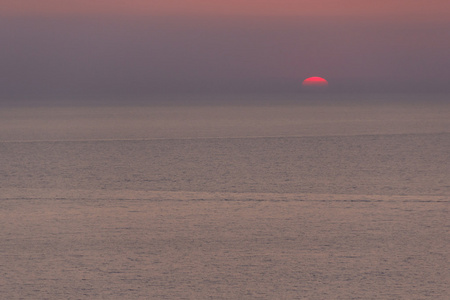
(257, 201)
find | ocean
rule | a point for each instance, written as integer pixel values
(241, 197)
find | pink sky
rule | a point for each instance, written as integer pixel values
(395, 45)
(417, 8)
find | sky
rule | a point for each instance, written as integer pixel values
(53, 48)
(429, 8)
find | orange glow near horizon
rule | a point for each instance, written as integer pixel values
(230, 7)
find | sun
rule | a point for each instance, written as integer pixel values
(315, 82)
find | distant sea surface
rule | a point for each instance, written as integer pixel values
(227, 199)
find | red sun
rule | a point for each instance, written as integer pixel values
(315, 82)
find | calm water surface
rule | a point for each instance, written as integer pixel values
(288, 201)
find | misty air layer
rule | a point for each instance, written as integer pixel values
(86, 56)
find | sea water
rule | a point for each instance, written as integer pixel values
(227, 200)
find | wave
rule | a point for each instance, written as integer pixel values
(134, 195)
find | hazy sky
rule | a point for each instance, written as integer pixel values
(137, 47)
(407, 8)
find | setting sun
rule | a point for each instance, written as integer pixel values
(315, 82)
